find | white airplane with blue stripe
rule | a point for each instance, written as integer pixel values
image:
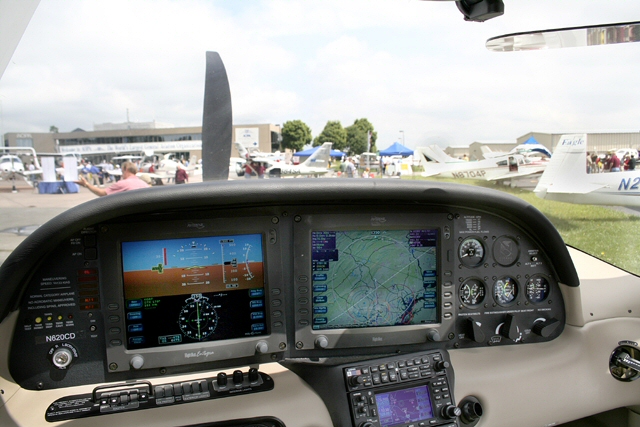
(566, 178)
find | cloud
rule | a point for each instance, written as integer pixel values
(405, 65)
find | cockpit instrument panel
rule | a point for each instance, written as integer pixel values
(280, 275)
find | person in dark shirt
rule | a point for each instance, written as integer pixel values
(615, 163)
(181, 175)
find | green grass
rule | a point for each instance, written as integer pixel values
(604, 232)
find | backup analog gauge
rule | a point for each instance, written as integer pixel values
(471, 252)
(198, 319)
(506, 251)
(537, 289)
(472, 292)
(505, 290)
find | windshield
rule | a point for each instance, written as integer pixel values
(118, 83)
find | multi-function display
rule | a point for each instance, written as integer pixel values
(404, 406)
(189, 290)
(368, 278)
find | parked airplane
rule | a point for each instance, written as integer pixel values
(566, 178)
(255, 154)
(11, 164)
(165, 168)
(530, 147)
(317, 164)
(507, 166)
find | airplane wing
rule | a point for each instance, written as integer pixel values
(574, 187)
(33, 172)
(153, 175)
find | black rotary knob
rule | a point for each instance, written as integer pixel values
(238, 377)
(545, 328)
(253, 375)
(441, 365)
(222, 379)
(451, 412)
(356, 381)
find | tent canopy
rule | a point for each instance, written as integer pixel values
(396, 149)
(310, 151)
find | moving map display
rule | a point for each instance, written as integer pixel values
(404, 406)
(193, 289)
(365, 278)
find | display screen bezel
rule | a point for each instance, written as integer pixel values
(408, 386)
(219, 353)
(335, 342)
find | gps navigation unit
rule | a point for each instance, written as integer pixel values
(365, 278)
(376, 281)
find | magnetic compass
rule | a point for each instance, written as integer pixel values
(198, 319)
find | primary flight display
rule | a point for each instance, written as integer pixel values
(193, 289)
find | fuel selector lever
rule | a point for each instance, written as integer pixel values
(510, 328)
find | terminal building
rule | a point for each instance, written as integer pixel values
(112, 139)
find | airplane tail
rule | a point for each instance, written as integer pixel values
(567, 168)
(488, 153)
(242, 150)
(430, 165)
(321, 157)
(434, 153)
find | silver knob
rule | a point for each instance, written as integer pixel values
(322, 342)
(262, 347)
(136, 361)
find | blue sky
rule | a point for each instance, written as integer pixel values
(408, 65)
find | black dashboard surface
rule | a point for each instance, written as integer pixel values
(479, 268)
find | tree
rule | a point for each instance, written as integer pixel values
(295, 135)
(332, 132)
(357, 137)
(356, 140)
(53, 129)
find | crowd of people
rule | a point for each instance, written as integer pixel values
(610, 163)
(252, 168)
